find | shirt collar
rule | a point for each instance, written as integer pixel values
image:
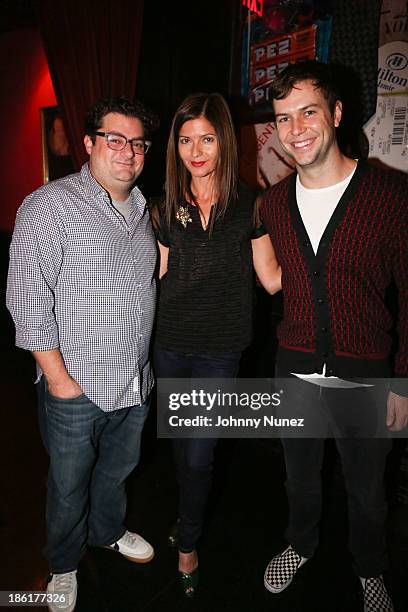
(93, 188)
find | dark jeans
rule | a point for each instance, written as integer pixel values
(363, 462)
(194, 458)
(91, 454)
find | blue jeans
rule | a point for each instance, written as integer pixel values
(91, 454)
(194, 458)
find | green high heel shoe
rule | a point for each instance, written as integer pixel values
(189, 582)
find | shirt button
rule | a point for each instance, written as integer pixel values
(320, 301)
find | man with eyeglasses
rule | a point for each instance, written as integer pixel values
(81, 291)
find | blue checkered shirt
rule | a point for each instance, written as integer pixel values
(82, 280)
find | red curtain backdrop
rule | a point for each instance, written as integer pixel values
(26, 88)
(92, 48)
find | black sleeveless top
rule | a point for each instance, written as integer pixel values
(206, 297)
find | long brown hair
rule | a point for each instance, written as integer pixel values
(178, 179)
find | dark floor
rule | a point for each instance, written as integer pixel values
(247, 517)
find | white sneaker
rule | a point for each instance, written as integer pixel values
(281, 570)
(376, 598)
(133, 547)
(62, 589)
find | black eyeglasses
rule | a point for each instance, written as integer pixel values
(117, 142)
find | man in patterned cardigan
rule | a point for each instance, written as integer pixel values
(340, 232)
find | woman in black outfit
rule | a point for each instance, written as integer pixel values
(208, 241)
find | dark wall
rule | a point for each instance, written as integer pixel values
(185, 47)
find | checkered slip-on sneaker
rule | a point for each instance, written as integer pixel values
(376, 598)
(282, 569)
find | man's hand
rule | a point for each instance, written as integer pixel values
(59, 382)
(66, 389)
(397, 412)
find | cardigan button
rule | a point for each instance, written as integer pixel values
(324, 330)
(306, 243)
(316, 273)
(320, 301)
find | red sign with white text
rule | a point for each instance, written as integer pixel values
(284, 45)
(264, 73)
(262, 76)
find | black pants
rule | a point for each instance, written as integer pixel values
(346, 413)
(194, 457)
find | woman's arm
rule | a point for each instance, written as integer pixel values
(266, 265)
(164, 255)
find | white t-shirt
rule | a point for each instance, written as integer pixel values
(316, 207)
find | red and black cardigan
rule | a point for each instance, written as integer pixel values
(334, 301)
